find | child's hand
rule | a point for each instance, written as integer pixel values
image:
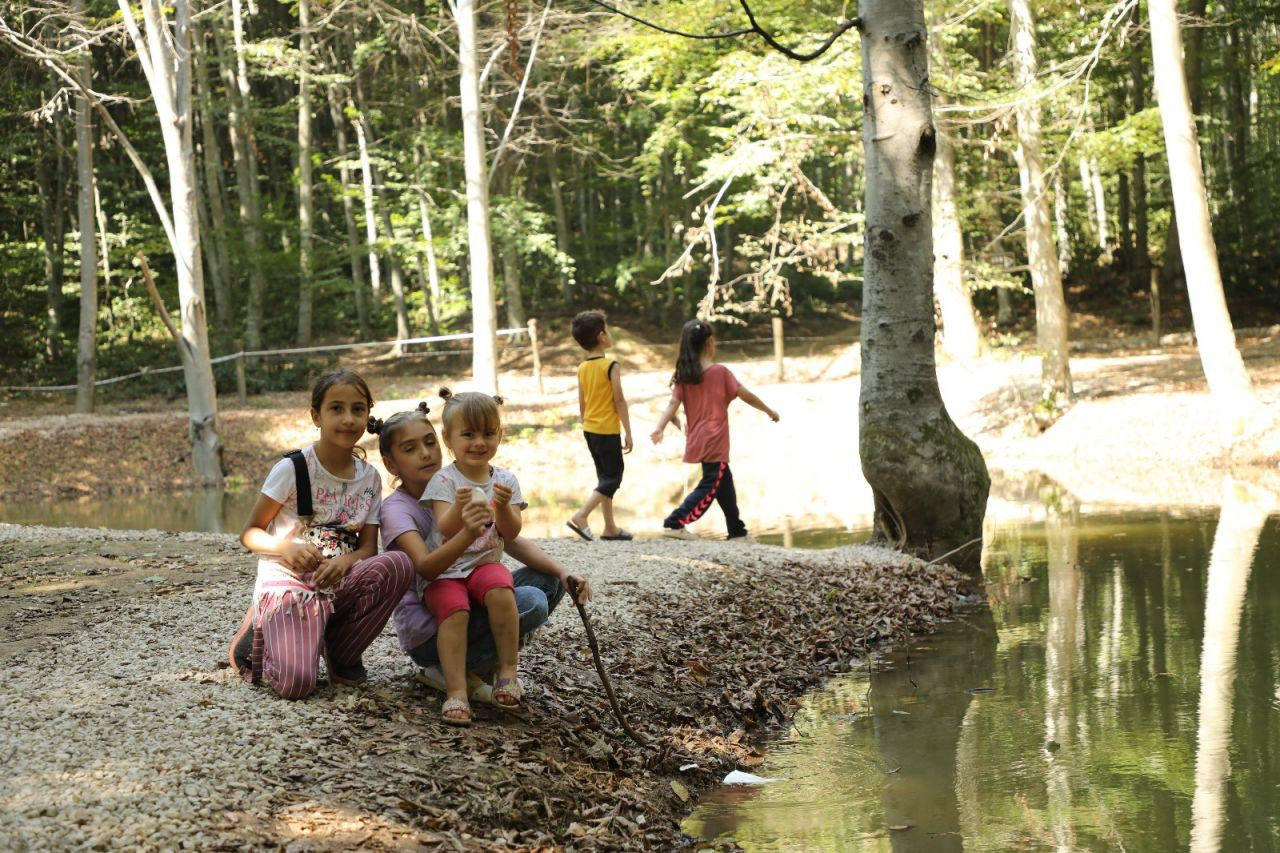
(300, 557)
(626, 444)
(773, 416)
(581, 584)
(501, 494)
(656, 435)
(475, 517)
(333, 570)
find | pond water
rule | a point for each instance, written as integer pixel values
(1119, 693)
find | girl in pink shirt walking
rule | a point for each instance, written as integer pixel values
(705, 389)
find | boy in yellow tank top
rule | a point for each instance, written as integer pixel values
(604, 417)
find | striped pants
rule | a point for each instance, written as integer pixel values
(291, 631)
(716, 485)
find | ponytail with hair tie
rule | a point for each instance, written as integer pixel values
(375, 425)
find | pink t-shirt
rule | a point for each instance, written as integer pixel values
(706, 414)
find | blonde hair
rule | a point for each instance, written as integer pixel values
(475, 409)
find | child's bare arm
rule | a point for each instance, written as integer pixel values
(668, 414)
(756, 403)
(582, 402)
(620, 406)
(297, 557)
(543, 563)
(448, 515)
(431, 564)
(506, 517)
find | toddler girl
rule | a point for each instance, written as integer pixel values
(705, 389)
(322, 588)
(411, 453)
(472, 430)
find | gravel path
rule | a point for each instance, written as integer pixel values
(123, 728)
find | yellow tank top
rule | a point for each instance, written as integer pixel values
(598, 413)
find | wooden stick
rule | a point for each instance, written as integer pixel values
(604, 677)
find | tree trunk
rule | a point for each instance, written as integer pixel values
(505, 184)
(236, 82)
(349, 214)
(562, 223)
(1046, 282)
(1060, 222)
(370, 217)
(53, 190)
(397, 272)
(87, 340)
(1139, 270)
(928, 480)
(306, 200)
(1223, 367)
(961, 338)
(484, 360)
(216, 246)
(1100, 210)
(166, 60)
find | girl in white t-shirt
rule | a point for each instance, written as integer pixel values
(472, 430)
(322, 588)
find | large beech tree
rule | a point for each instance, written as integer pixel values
(929, 480)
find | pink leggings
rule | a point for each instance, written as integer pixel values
(289, 637)
(446, 596)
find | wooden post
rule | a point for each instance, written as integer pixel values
(537, 359)
(1155, 304)
(242, 389)
(777, 347)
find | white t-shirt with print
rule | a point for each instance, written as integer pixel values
(488, 546)
(335, 501)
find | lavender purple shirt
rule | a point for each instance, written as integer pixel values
(401, 514)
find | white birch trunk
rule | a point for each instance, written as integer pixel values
(1100, 210)
(928, 480)
(961, 338)
(1223, 368)
(87, 340)
(370, 214)
(1060, 222)
(306, 202)
(484, 322)
(165, 54)
(1046, 281)
(216, 244)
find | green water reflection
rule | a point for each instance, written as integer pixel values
(1120, 693)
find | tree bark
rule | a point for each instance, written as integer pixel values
(165, 54)
(370, 216)
(505, 181)
(928, 480)
(1100, 210)
(306, 199)
(214, 201)
(354, 250)
(484, 359)
(236, 82)
(87, 340)
(1139, 270)
(961, 338)
(562, 223)
(52, 180)
(1046, 282)
(1223, 367)
(397, 272)
(1060, 222)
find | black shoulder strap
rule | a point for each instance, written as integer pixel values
(302, 480)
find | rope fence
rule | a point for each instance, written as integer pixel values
(397, 351)
(241, 356)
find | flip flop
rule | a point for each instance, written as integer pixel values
(620, 536)
(507, 693)
(584, 531)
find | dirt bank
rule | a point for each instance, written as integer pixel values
(1144, 431)
(123, 728)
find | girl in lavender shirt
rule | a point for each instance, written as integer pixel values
(411, 452)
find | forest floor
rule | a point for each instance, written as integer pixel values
(122, 726)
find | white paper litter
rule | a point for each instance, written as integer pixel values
(737, 777)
